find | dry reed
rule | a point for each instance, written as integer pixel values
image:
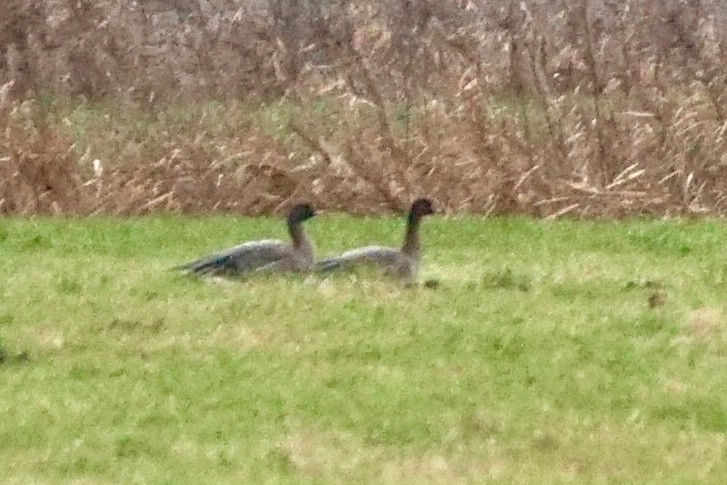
(536, 107)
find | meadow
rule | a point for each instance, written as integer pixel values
(550, 351)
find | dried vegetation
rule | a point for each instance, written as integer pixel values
(542, 107)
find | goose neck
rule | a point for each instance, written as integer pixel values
(295, 229)
(412, 244)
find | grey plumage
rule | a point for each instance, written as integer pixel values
(400, 262)
(269, 255)
(392, 260)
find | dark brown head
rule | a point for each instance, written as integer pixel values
(300, 212)
(420, 208)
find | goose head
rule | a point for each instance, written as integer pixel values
(300, 212)
(421, 208)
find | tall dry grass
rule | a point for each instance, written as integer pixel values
(540, 107)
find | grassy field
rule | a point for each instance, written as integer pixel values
(550, 352)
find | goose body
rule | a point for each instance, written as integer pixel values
(401, 262)
(272, 255)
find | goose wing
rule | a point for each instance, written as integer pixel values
(242, 259)
(386, 257)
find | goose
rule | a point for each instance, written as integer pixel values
(400, 262)
(271, 255)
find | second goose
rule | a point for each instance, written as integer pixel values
(401, 262)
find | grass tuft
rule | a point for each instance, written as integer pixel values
(506, 279)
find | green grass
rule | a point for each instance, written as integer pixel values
(538, 358)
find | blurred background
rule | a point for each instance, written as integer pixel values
(546, 108)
